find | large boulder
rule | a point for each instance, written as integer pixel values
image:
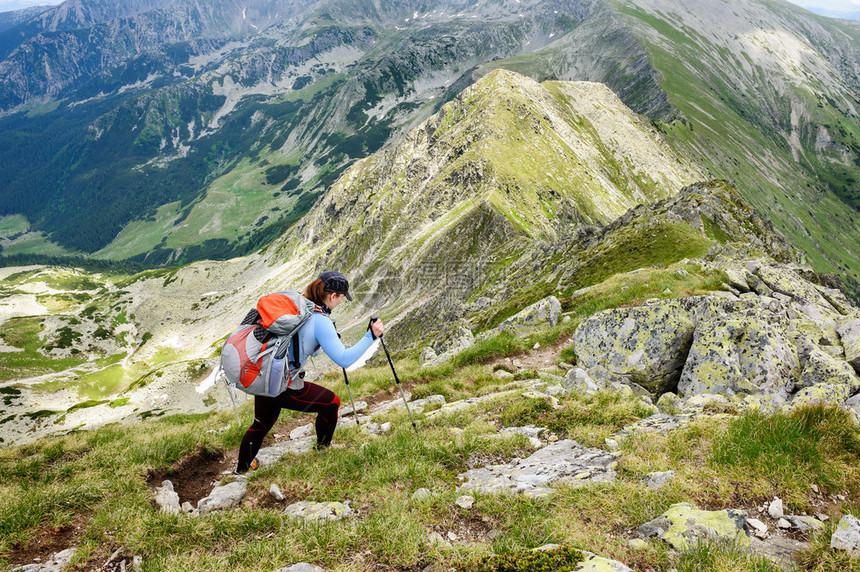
(820, 367)
(785, 281)
(460, 339)
(819, 333)
(683, 525)
(542, 314)
(850, 333)
(749, 352)
(647, 345)
(832, 393)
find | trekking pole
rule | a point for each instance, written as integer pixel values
(349, 391)
(373, 318)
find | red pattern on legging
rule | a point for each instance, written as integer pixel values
(312, 398)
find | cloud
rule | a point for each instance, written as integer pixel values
(10, 5)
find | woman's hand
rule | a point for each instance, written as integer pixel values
(377, 328)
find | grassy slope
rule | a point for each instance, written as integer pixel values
(97, 480)
(761, 165)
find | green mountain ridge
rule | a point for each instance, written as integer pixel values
(433, 232)
(232, 150)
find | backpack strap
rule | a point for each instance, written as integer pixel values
(295, 364)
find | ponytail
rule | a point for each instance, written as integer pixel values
(315, 292)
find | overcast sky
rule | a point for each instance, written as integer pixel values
(845, 6)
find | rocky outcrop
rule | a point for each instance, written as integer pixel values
(782, 341)
(850, 335)
(540, 315)
(565, 462)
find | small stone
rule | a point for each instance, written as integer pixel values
(611, 445)
(421, 494)
(187, 507)
(814, 488)
(276, 493)
(757, 524)
(436, 539)
(805, 523)
(847, 535)
(822, 517)
(552, 438)
(301, 567)
(637, 544)
(669, 403)
(385, 427)
(166, 498)
(452, 537)
(303, 431)
(223, 497)
(465, 501)
(348, 410)
(315, 511)
(657, 480)
(546, 548)
(775, 509)
(784, 524)
(536, 346)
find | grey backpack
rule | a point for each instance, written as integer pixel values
(254, 356)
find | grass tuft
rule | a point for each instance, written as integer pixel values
(564, 558)
(814, 444)
(724, 557)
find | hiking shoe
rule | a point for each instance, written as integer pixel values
(255, 464)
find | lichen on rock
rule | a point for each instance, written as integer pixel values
(646, 345)
(683, 525)
(749, 352)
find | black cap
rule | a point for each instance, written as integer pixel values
(336, 282)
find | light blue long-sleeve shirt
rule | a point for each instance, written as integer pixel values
(318, 333)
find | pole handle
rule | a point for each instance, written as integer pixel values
(373, 318)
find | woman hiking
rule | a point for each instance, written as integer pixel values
(326, 292)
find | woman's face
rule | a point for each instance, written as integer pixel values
(332, 299)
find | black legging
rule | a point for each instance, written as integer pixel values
(312, 398)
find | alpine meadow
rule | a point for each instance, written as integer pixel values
(581, 286)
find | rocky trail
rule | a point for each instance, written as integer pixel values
(206, 480)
